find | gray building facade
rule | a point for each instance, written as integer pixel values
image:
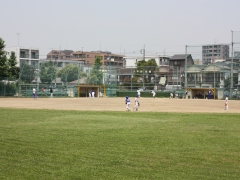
(212, 52)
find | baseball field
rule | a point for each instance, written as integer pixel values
(82, 138)
(118, 104)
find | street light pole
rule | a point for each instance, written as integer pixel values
(185, 67)
(231, 86)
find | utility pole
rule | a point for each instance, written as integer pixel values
(82, 53)
(231, 86)
(185, 84)
(144, 52)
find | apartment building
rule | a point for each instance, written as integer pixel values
(212, 52)
(108, 59)
(25, 55)
(131, 61)
(60, 55)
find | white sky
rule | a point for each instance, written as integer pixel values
(118, 26)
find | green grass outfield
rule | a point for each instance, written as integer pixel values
(55, 144)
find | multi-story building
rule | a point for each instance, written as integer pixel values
(212, 52)
(25, 55)
(177, 69)
(131, 61)
(108, 59)
(60, 55)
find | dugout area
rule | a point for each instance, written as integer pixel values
(201, 93)
(84, 89)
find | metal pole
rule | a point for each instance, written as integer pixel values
(78, 72)
(131, 78)
(155, 76)
(143, 78)
(231, 86)
(195, 76)
(185, 67)
(181, 80)
(177, 77)
(173, 78)
(144, 52)
(82, 55)
(214, 78)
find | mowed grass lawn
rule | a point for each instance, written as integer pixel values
(55, 144)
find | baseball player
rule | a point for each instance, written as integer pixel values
(51, 92)
(153, 93)
(90, 94)
(127, 101)
(138, 92)
(226, 103)
(34, 93)
(93, 94)
(176, 95)
(136, 103)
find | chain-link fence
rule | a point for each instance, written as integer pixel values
(169, 78)
(201, 67)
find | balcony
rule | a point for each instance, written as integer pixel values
(35, 56)
(24, 56)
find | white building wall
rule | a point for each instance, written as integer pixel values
(17, 54)
(132, 61)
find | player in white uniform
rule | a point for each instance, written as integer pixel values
(138, 93)
(90, 94)
(171, 95)
(34, 93)
(93, 94)
(127, 101)
(136, 103)
(226, 103)
(176, 95)
(153, 93)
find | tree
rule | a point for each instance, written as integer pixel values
(227, 82)
(152, 69)
(70, 73)
(8, 68)
(47, 72)
(13, 69)
(4, 68)
(96, 75)
(27, 73)
(43, 74)
(146, 70)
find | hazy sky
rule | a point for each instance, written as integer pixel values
(118, 26)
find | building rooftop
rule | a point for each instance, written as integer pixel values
(179, 56)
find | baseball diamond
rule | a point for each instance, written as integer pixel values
(116, 104)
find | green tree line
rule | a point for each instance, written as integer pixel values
(8, 68)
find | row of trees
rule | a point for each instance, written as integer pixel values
(48, 72)
(8, 68)
(71, 72)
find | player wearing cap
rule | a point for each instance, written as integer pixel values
(137, 104)
(153, 93)
(127, 101)
(226, 103)
(34, 93)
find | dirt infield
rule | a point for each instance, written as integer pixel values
(118, 104)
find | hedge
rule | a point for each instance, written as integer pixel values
(143, 94)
